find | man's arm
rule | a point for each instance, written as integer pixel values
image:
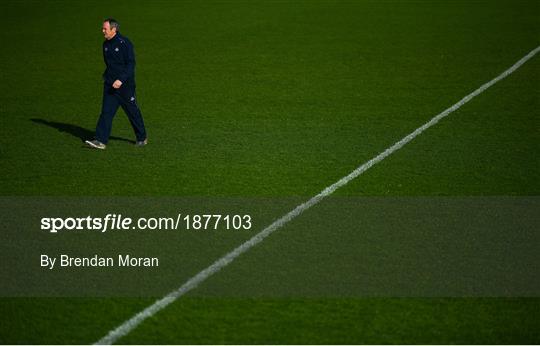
(129, 56)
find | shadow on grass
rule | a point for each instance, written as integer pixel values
(75, 130)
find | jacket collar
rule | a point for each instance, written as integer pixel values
(115, 38)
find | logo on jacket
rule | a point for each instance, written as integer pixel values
(116, 49)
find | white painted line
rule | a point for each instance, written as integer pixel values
(134, 321)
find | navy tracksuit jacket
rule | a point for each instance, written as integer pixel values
(120, 61)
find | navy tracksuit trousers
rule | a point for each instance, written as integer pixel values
(112, 99)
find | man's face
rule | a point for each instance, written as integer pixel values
(108, 33)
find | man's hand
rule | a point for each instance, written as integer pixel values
(117, 84)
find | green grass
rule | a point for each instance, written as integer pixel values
(281, 321)
(273, 99)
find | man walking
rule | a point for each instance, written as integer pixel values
(118, 87)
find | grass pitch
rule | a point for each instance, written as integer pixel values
(273, 99)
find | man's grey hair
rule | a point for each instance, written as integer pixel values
(113, 23)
